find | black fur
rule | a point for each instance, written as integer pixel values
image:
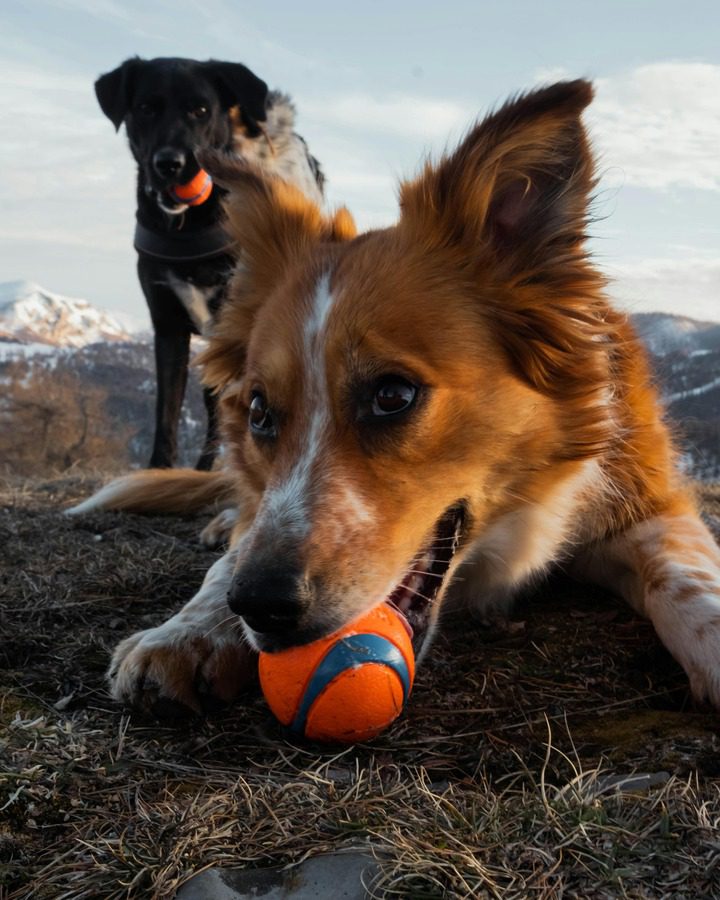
(172, 108)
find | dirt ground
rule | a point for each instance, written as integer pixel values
(496, 782)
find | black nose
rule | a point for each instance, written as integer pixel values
(168, 162)
(269, 601)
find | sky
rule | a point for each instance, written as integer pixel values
(378, 87)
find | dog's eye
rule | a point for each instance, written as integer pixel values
(261, 419)
(147, 109)
(198, 112)
(393, 395)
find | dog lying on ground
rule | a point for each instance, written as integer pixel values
(173, 109)
(434, 412)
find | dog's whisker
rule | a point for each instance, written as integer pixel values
(219, 624)
(420, 595)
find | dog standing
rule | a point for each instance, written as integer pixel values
(172, 109)
(451, 395)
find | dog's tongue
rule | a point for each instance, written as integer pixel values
(195, 191)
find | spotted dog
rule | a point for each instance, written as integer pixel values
(172, 110)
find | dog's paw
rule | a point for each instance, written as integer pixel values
(170, 671)
(692, 634)
(703, 668)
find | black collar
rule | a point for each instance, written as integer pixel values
(183, 246)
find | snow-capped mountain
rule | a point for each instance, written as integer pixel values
(663, 334)
(29, 314)
(685, 356)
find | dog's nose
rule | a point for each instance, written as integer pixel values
(168, 162)
(269, 601)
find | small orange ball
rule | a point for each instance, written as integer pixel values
(346, 687)
(195, 191)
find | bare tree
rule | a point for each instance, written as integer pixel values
(51, 420)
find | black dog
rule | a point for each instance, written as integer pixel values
(172, 109)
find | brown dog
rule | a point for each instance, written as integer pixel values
(451, 394)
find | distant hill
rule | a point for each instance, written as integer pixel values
(30, 314)
(686, 359)
(64, 362)
(663, 334)
(44, 335)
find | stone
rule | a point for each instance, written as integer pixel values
(337, 876)
(636, 782)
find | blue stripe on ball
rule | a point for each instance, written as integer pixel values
(351, 652)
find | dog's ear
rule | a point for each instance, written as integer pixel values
(114, 90)
(274, 224)
(272, 221)
(238, 86)
(510, 209)
(518, 184)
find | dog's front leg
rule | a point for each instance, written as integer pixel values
(668, 569)
(196, 657)
(172, 355)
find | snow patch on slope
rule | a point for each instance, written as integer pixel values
(30, 314)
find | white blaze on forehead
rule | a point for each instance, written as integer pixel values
(316, 322)
(286, 504)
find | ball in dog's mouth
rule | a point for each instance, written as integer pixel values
(413, 598)
(193, 192)
(176, 198)
(426, 576)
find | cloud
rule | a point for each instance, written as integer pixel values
(657, 126)
(69, 175)
(102, 9)
(397, 114)
(683, 285)
(661, 125)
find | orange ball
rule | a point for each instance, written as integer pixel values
(195, 191)
(346, 687)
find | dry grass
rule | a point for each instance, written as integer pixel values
(493, 784)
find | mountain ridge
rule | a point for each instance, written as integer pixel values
(31, 314)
